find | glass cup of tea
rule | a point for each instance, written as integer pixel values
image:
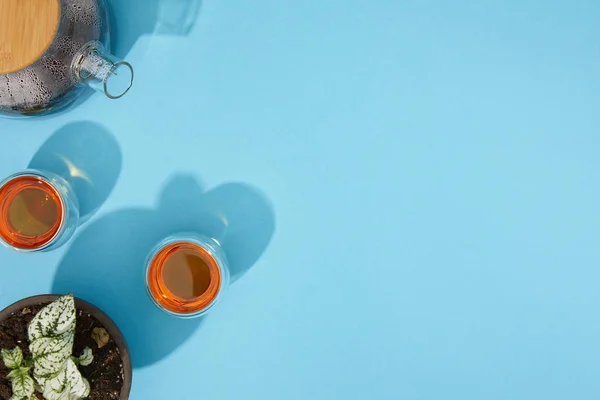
(38, 211)
(186, 274)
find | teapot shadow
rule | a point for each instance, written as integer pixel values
(88, 156)
(131, 19)
(105, 264)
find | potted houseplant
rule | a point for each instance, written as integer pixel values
(61, 348)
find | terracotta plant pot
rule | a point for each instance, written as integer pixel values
(97, 314)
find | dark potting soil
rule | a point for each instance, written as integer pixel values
(105, 373)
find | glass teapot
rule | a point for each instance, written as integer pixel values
(51, 50)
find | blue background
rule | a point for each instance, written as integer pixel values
(408, 192)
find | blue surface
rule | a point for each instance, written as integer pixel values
(409, 188)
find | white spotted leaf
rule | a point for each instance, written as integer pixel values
(67, 384)
(80, 387)
(86, 358)
(50, 353)
(56, 318)
(12, 358)
(22, 383)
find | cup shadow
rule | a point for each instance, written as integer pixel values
(131, 19)
(105, 263)
(88, 156)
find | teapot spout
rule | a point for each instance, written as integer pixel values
(101, 71)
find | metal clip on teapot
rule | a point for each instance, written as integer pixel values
(51, 50)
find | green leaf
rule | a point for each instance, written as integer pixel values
(56, 318)
(54, 385)
(80, 387)
(50, 353)
(12, 358)
(16, 373)
(67, 384)
(86, 358)
(22, 383)
(32, 397)
(51, 335)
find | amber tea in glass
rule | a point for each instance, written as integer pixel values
(186, 274)
(37, 211)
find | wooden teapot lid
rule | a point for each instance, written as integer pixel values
(27, 29)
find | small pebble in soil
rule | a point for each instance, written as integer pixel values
(100, 336)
